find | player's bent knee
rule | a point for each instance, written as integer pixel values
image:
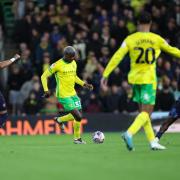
(77, 115)
(78, 118)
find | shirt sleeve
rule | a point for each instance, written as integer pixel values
(44, 78)
(79, 81)
(116, 59)
(165, 47)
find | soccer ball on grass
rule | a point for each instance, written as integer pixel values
(98, 137)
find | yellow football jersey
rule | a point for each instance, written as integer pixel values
(144, 49)
(65, 74)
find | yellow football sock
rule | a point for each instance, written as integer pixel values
(77, 129)
(140, 120)
(149, 130)
(68, 117)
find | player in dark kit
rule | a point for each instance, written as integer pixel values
(3, 109)
(174, 115)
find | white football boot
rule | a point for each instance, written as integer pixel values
(79, 141)
(156, 146)
(156, 139)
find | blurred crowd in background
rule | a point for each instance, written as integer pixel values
(96, 28)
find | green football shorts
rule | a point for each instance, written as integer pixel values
(144, 94)
(70, 103)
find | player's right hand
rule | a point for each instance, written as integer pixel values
(104, 82)
(46, 94)
(88, 86)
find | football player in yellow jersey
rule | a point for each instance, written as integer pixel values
(66, 78)
(143, 47)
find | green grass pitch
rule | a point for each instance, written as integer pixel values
(56, 157)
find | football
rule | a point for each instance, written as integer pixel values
(98, 137)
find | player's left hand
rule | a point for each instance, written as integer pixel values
(88, 86)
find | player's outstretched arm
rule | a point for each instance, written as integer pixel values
(116, 59)
(165, 47)
(6, 63)
(113, 63)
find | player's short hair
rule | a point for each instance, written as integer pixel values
(144, 18)
(69, 51)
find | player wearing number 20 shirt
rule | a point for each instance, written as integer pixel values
(144, 49)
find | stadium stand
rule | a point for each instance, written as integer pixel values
(42, 28)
